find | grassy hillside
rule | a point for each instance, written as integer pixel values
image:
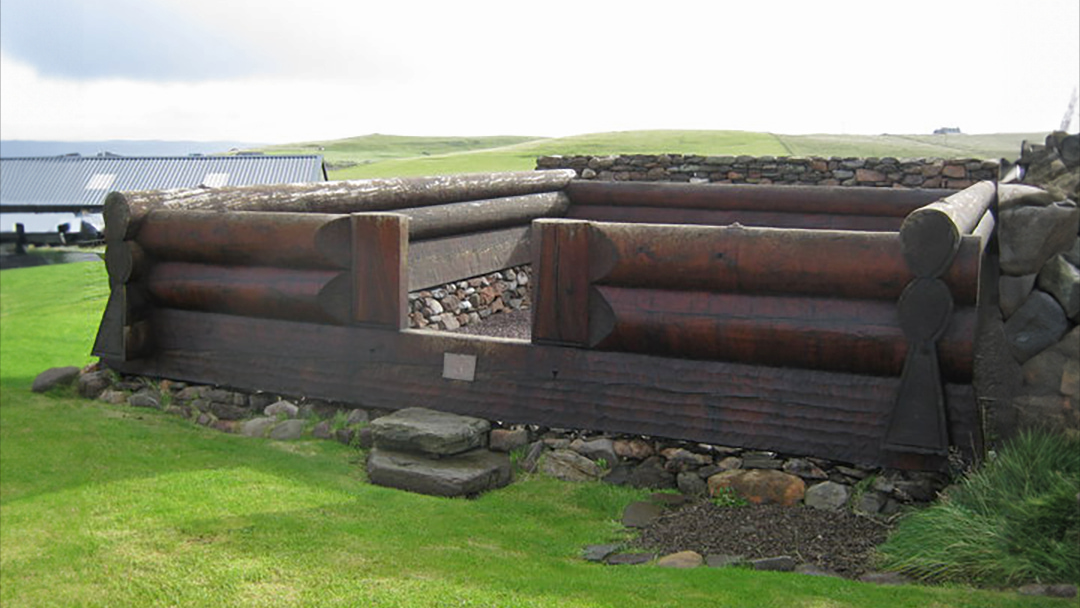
(388, 155)
(104, 505)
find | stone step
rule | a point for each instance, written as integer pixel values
(429, 432)
(464, 474)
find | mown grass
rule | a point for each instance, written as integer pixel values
(106, 505)
(388, 156)
(1014, 521)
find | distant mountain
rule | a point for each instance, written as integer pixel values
(122, 147)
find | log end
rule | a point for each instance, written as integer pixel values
(117, 214)
(928, 241)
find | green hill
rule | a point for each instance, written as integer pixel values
(390, 155)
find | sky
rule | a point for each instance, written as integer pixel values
(277, 71)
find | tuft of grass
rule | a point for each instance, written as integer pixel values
(1015, 520)
(728, 497)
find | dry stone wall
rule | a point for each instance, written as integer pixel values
(469, 301)
(791, 170)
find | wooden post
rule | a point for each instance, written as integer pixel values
(561, 275)
(380, 270)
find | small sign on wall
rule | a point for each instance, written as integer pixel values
(459, 367)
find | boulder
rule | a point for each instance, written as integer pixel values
(508, 440)
(1014, 291)
(290, 429)
(682, 559)
(53, 377)
(800, 467)
(1037, 325)
(600, 448)
(1061, 279)
(691, 484)
(760, 486)
(429, 432)
(464, 474)
(227, 411)
(651, 474)
(146, 398)
(92, 384)
(257, 427)
(1033, 227)
(357, 416)
(635, 449)
(282, 408)
(827, 495)
(322, 430)
(568, 465)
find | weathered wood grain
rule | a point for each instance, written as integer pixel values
(930, 236)
(282, 240)
(439, 261)
(720, 217)
(832, 415)
(125, 261)
(488, 214)
(380, 270)
(828, 200)
(124, 211)
(561, 272)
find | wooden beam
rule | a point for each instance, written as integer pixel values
(831, 415)
(124, 211)
(828, 200)
(439, 261)
(380, 269)
(930, 236)
(487, 214)
(719, 217)
(282, 240)
(561, 274)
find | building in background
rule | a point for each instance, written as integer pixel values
(59, 199)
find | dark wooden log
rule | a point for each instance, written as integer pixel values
(443, 260)
(710, 217)
(561, 271)
(380, 269)
(738, 259)
(282, 240)
(319, 296)
(858, 336)
(124, 332)
(124, 211)
(930, 236)
(828, 200)
(831, 415)
(125, 261)
(488, 214)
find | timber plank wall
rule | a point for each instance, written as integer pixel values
(827, 321)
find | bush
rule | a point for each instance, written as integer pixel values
(1015, 520)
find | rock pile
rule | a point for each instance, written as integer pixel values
(1053, 166)
(470, 301)
(430, 452)
(815, 171)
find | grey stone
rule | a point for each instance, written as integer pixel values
(853, 472)
(714, 560)
(53, 377)
(182, 411)
(92, 384)
(204, 419)
(113, 397)
(641, 514)
(568, 465)
(729, 463)
(597, 449)
(870, 503)
(597, 553)
(1030, 234)
(321, 430)
(282, 408)
(532, 456)
(191, 393)
(365, 438)
(289, 429)
(508, 440)
(461, 475)
(619, 475)
(1072, 254)
(756, 461)
(357, 416)
(780, 563)
(804, 468)
(147, 399)
(1037, 325)
(682, 559)
(257, 427)
(827, 495)
(346, 435)
(691, 484)
(1062, 280)
(651, 474)
(1014, 291)
(429, 432)
(629, 559)
(227, 411)
(259, 401)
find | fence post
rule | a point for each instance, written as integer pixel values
(380, 260)
(560, 253)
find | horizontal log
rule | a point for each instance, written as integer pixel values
(439, 261)
(930, 236)
(318, 296)
(124, 211)
(828, 200)
(831, 415)
(488, 214)
(125, 261)
(858, 336)
(715, 217)
(283, 240)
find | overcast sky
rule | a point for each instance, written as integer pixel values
(283, 71)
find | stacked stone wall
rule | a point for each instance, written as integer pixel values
(469, 301)
(785, 170)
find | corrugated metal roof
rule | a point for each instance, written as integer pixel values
(83, 181)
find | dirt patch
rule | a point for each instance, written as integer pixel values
(838, 541)
(514, 324)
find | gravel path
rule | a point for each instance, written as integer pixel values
(834, 540)
(513, 324)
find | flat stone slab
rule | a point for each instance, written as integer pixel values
(429, 432)
(461, 475)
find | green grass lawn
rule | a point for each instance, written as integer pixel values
(391, 156)
(111, 506)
